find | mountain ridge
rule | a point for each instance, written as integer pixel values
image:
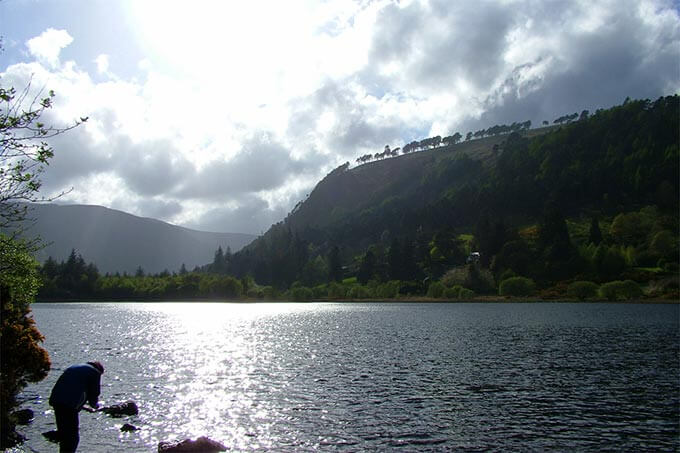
(117, 241)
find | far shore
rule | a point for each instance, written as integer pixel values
(405, 299)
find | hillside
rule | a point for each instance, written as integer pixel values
(441, 203)
(344, 192)
(120, 242)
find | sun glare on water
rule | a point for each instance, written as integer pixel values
(207, 372)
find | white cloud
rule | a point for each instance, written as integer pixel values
(48, 45)
(102, 62)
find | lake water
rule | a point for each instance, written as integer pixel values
(376, 377)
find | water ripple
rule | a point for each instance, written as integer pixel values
(349, 377)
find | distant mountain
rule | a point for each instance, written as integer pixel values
(119, 242)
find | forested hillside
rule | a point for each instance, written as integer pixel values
(524, 201)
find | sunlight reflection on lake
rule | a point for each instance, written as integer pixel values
(301, 377)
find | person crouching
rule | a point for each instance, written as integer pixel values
(78, 384)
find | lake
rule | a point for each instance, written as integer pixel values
(372, 376)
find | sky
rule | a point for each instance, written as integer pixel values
(222, 115)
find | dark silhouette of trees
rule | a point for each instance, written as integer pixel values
(367, 268)
(594, 233)
(334, 265)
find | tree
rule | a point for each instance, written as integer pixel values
(594, 233)
(24, 152)
(367, 267)
(23, 359)
(334, 265)
(395, 261)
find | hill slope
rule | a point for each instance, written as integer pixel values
(615, 161)
(120, 242)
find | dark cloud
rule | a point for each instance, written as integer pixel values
(433, 44)
(625, 58)
(75, 157)
(156, 208)
(356, 125)
(151, 167)
(253, 216)
(585, 55)
(262, 164)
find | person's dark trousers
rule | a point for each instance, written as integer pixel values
(67, 426)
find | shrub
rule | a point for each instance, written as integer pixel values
(359, 292)
(336, 291)
(270, 293)
(466, 293)
(300, 293)
(453, 293)
(389, 290)
(508, 273)
(320, 291)
(436, 290)
(516, 286)
(620, 290)
(582, 290)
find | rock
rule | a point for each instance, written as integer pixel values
(121, 409)
(23, 416)
(127, 428)
(52, 436)
(202, 444)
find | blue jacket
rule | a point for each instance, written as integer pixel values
(77, 385)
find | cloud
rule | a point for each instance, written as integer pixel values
(252, 215)
(102, 62)
(48, 45)
(262, 164)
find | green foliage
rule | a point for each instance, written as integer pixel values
(630, 228)
(620, 290)
(299, 294)
(664, 244)
(516, 286)
(367, 268)
(388, 290)
(453, 292)
(337, 291)
(359, 292)
(466, 294)
(594, 233)
(583, 290)
(436, 290)
(23, 359)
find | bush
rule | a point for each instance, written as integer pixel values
(453, 293)
(300, 294)
(336, 291)
(508, 273)
(516, 286)
(583, 290)
(620, 290)
(359, 292)
(389, 290)
(436, 290)
(24, 360)
(466, 293)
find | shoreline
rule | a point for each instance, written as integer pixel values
(412, 299)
